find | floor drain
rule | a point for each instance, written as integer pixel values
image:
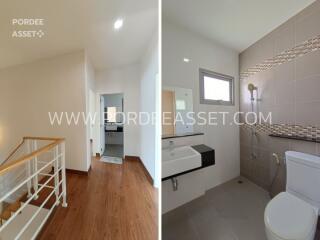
(240, 182)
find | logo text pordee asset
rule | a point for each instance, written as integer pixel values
(33, 28)
(167, 118)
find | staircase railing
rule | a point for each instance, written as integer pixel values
(12, 154)
(44, 163)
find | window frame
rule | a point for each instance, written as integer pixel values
(207, 73)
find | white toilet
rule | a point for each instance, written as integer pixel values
(293, 215)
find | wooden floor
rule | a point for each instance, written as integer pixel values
(112, 202)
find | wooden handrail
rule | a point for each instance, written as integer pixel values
(7, 167)
(43, 138)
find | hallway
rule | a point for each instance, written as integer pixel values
(112, 202)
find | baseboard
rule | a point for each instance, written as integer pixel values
(135, 158)
(73, 171)
(131, 158)
(78, 171)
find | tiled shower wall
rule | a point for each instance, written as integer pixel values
(291, 92)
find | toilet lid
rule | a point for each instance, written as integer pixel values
(289, 217)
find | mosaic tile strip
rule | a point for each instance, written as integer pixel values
(308, 46)
(309, 133)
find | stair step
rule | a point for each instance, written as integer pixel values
(14, 206)
(5, 215)
(9, 209)
(13, 228)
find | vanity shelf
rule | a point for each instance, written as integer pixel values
(182, 135)
(207, 159)
(316, 140)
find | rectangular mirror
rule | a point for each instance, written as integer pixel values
(176, 103)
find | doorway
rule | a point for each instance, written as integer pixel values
(113, 129)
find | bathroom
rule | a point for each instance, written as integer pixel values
(235, 167)
(113, 116)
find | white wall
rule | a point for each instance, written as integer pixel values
(190, 186)
(28, 92)
(179, 43)
(149, 136)
(124, 80)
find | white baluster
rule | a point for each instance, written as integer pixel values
(35, 169)
(56, 173)
(28, 166)
(64, 181)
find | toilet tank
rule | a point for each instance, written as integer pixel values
(303, 176)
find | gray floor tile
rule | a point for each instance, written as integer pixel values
(113, 150)
(231, 211)
(176, 225)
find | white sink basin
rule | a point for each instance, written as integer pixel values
(179, 159)
(111, 127)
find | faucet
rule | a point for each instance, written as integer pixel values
(174, 184)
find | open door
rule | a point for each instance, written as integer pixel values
(102, 126)
(168, 107)
(92, 124)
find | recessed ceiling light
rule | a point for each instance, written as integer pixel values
(186, 60)
(118, 24)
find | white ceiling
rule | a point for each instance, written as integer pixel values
(234, 23)
(72, 25)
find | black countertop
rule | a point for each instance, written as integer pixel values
(207, 159)
(119, 129)
(181, 135)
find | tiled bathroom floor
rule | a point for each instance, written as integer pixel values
(231, 211)
(113, 150)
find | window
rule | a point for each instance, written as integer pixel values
(216, 88)
(112, 113)
(180, 105)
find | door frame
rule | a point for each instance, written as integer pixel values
(99, 96)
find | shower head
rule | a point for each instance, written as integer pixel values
(251, 88)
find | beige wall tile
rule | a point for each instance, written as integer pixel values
(308, 89)
(308, 114)
(285, 72)
(307, 26)
(318, 148)
(284, 37)
(279, 146)
(308, 65)
(311, 9)
(284, 92)
(263, 141)
(290, 91)
(284, 114)
(302, 146)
